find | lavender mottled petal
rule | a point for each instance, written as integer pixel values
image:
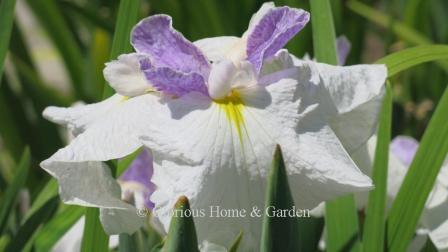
(140, 170)
(145, 63)
(343, 47)
(176, 83)
(167, 47)
(272, 32)
(404, 148)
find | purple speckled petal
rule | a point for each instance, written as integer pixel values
(404, 148)
(343, 47)
(140, 171)
(167, 47)
(272, 32)
(176, 83)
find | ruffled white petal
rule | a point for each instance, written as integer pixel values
(234, 144)
(124, 75)
(117, 221)
(434, 217)
(79, 117)
(113, 134)
(219, 48)
(352, 98)
(91, 184)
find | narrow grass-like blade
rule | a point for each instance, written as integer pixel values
(402, 60)
(279, 233)
(6, 21)
(10, 196)
(310, 233)
(94, 238)
(50, 16)
(27, 229)
(375, 221)
(182, 233)
(126, 243)
(127, 18)
(47, 193)
(236, 243)
(402, 30)
(324, 38)
(419, 180)
(341, 217)
(125, 162)
(52, 231)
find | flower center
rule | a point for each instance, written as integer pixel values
(233, 105)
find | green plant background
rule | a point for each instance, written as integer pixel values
(52, 52)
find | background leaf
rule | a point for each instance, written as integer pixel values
(279, 233)
(419, 180)
(182, 233)
(341, 220)
(6, 20)
(94, 238)
(52, 232)
(127, 18)
(402, 60)
(375, 220)
(13, 189)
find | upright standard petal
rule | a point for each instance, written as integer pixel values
(126, 76)
(218, 48)
(176, 83)
(272, 32)
(167, 47)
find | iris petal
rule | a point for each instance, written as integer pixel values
(272, 32)
(167, 47)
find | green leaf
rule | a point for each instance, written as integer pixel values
(341, 223)
(279, 233)
(126, 243)
(236, 242)
(87, 14)
(341, 217)
(310, 233)
(375, 222)
(402, 30)
(47, 193)
(407, 58)
(418, 183)
(324, 39)
(94, 238)
(127, 18)
(13, 189)
(59, 32)
(52, 231)
(125, 162)
(6, 21)
(182, 233)
(38, 89)
(27, 229)
(429, 246)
